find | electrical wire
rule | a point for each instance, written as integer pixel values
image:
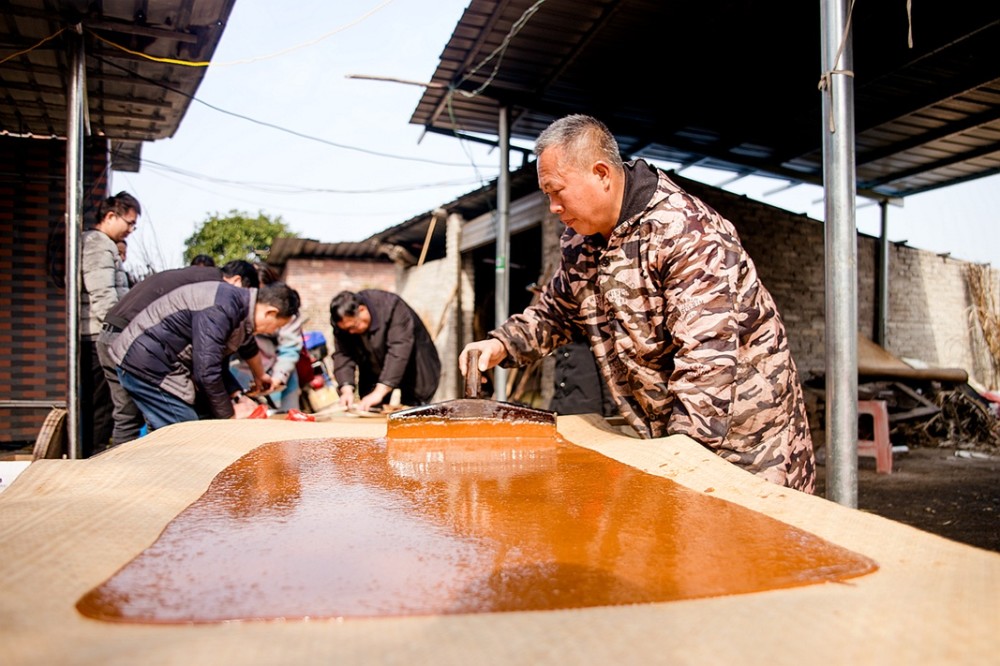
(234, 114)
(32, 48)
(279, 128)
(347, 215)
(497, 53)
(278, 188)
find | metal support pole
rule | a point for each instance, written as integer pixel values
(883, 274)
(73, 221)
(502, 289)
(840, 257)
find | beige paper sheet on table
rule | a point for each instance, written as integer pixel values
(66, 526)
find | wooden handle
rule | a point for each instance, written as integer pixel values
(472, 378)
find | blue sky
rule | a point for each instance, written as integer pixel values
(364, 167)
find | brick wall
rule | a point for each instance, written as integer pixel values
(33, 303)
(930, 317)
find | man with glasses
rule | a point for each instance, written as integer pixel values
(103, 282)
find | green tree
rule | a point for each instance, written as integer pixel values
(235, 236)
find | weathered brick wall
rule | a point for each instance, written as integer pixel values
(929, 303)
(319, 280)
(32, 302)
(930, 316)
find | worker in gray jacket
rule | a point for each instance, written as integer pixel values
(103, 283)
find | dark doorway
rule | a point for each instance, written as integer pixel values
(525, 270)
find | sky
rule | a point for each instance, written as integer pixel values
(280, 127)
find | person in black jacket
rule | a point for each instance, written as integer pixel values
(128, 419)
(579, 387)
(177, 348)
(381, 344)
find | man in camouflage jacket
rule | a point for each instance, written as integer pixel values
(687, 338)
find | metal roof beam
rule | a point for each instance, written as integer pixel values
(142, 31)
(924, 138)
(527, 152)
(892, 107)
(953, 181)
(927, 167)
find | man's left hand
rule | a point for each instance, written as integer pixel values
(373, 399)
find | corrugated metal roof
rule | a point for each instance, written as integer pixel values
(130, 99)
(283, 249)
(732, 84)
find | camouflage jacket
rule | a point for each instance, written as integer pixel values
(687, 338)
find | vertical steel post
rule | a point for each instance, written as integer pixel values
(883, 275)
(840, 257)
(502, 289)
(73, 221)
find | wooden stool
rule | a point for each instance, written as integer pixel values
(879, 448)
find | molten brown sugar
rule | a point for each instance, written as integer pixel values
(376, 527)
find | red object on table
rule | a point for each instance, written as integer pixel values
(296, 415)
(260, 412)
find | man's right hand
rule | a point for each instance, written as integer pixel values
(261, 385)
(491, 352)
(346, 395)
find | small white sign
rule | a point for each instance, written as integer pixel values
(9, 469)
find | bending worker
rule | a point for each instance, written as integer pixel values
(685, 335)
(177, 349)
(127, 416)
(381, 344)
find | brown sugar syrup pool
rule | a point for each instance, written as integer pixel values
(389, 527)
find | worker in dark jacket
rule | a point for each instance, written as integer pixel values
(579, 387)
(381, 340)
(178, 347)
(128, 419)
